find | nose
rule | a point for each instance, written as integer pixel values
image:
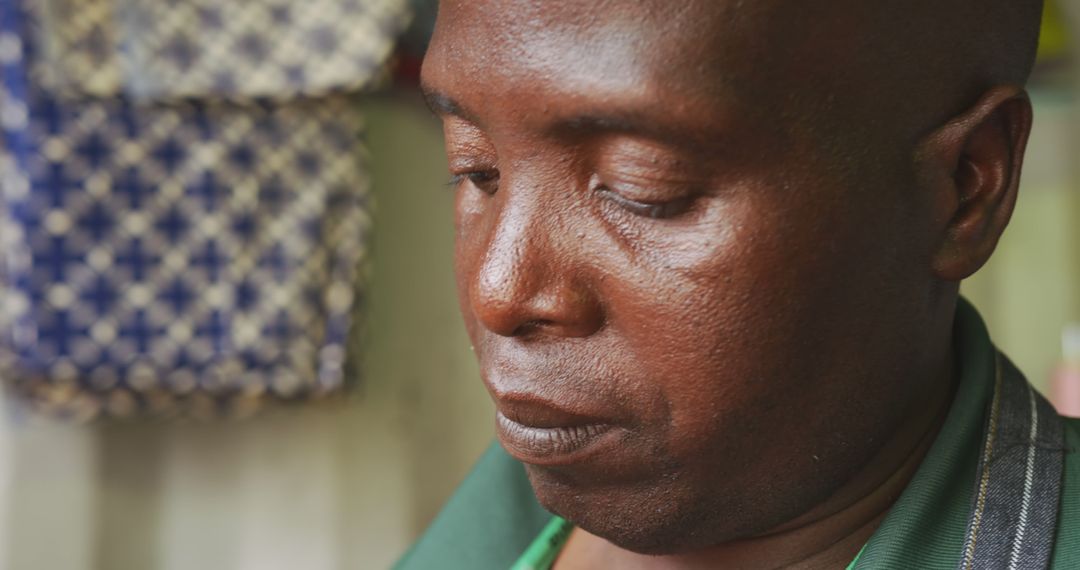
(531, 280)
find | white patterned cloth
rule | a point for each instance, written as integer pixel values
(237, 48)
(184, 255)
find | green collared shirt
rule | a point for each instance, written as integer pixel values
(494, 517)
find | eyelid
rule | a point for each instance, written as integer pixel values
(645, 189)
(465, 142)
(484, 180)
(654, 210)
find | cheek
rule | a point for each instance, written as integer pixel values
(469, 244)
(715, 320)
(698, 348)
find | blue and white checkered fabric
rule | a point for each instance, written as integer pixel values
(237, 49)
(194, 255)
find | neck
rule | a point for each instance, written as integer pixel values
(829, 535)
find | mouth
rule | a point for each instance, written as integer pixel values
(542, 434)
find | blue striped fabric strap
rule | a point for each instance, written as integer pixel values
(1014, 511)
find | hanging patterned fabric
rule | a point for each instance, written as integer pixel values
(241, 49)
(181, 227)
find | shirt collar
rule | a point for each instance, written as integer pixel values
(925, 527)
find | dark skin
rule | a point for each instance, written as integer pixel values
(708, 256)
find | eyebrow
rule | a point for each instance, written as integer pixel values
(629, 122)
(622, 122)
(442, 105)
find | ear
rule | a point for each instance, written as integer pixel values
(971, 166)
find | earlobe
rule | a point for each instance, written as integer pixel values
(972, 168)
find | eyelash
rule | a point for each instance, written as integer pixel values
(663, 210)
(478, 178)
(482, 180)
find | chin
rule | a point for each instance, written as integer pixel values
(654, 517)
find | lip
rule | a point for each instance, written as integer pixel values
(550, 445)
(533, 411)
(542, 434)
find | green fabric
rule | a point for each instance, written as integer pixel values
(925, 528)
(494, 517)
(542, 553)
(858, 556)
(491, 519)
(1067, 551)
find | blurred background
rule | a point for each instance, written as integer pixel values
(349, 482)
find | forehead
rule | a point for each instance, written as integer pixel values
(694, 58)
(582, 41)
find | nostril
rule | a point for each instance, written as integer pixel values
(532, 326)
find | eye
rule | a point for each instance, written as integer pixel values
(486, 181)
(654, 210)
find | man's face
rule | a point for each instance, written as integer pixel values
(693, 300)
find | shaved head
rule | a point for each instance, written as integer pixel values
(935, 56)
(708, 252)
(1010, 35)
